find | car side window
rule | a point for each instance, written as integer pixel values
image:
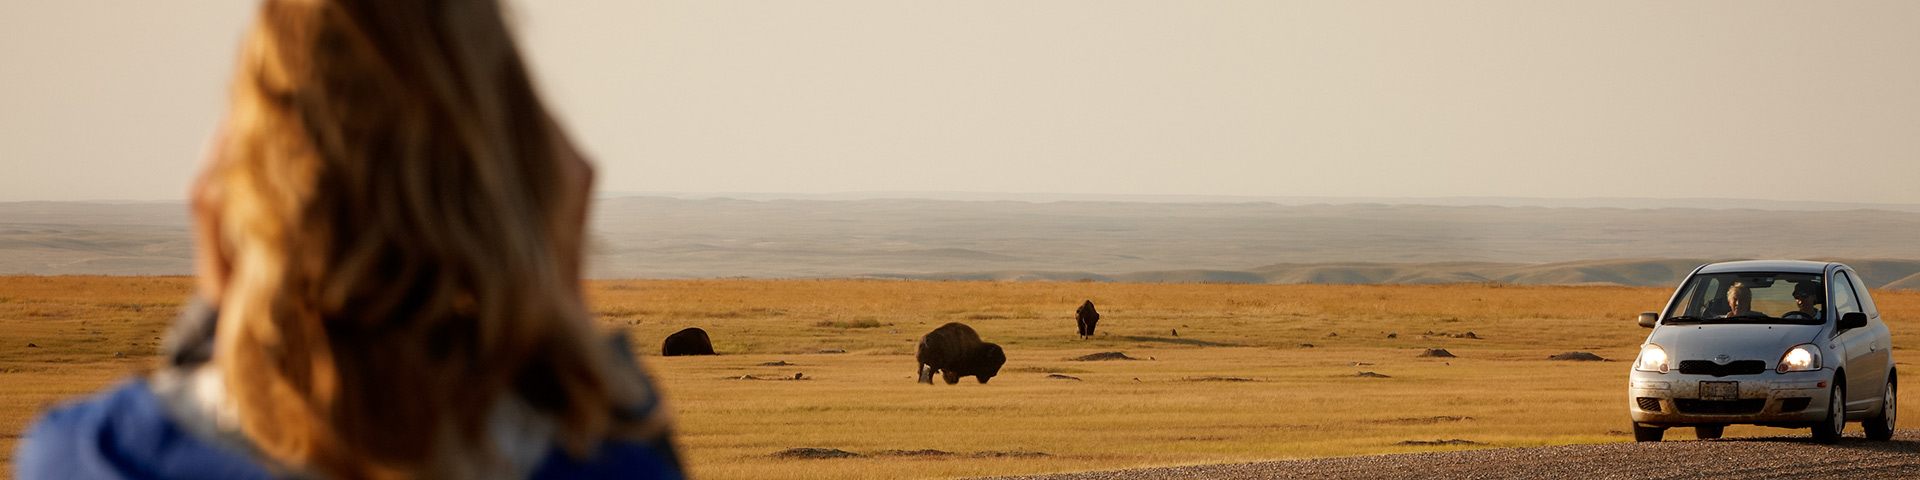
(1866, 299)
(1843, 299)
(1695, 303)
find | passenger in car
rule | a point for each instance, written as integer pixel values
(1740, 300)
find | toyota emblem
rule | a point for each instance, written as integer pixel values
(1722, 359)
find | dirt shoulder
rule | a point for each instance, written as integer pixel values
(1795, 457)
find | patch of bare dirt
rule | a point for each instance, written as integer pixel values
(1093, 357)
(915, 453)
(1439, 442)
(809, 453)
(1426, 420)
(1577, 356)
(1010, 454)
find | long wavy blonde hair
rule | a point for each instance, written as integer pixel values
(400, 222)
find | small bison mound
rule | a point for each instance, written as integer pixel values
(1436, 352)
(811, 453)
(1092, 357)
(1062, 377)
(1579, 356)
(1370, 375)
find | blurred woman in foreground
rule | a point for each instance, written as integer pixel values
(390, 227)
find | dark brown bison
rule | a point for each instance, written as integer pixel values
(692, 341)
(955, 351)
(1087, 318)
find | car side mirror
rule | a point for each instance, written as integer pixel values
(1649, 319)
(1853, 320)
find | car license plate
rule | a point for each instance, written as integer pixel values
(1719, 390)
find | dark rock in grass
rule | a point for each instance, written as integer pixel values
(781, 363)
(831, 351)
(1439, 442)
(1062, 377)
(915, 453)
(1102, 356)
(1306, 345)
(1393, 335)
(1370, 375)
(1436, 352)
(1010, 454)
(1579, 356)
(812, 453)
(32, 346)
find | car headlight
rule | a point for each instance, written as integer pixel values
(1652, 359)
(1800, 359)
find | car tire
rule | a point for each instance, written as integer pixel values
(1881, 428)
(1648, 434)
(1708, 432)
(1829, 428)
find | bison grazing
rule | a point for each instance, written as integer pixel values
(692, 341)
(955, 351)
(1087, 318)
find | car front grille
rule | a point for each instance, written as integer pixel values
(1726, 407)
(1705, 367)
(1794, 404)
(1649, 404)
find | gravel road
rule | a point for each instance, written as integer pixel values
(1791, 457)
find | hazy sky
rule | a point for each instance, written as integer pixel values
(1793, 100)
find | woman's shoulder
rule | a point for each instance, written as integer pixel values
(123, 432)
(614, 459)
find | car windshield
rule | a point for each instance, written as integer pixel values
(1756, 297)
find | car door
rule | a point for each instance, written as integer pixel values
(1880, 342)
(1856, 343)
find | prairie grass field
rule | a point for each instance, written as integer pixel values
(1223, 373)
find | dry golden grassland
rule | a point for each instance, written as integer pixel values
(1235, 384)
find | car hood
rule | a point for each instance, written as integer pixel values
(1737, 341)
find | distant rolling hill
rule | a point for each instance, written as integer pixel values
(1108, 241)
(1649, 272)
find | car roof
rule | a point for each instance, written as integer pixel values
(1782, 266)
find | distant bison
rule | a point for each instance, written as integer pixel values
(1087, 318)
(692, 341)
(955, 351)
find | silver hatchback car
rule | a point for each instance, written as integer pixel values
(1775, 343)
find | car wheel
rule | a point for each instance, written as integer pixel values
(1882, 428)
(1708, 432)
(1648, 434)
(1828, 431)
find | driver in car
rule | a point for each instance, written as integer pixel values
(1809, 298)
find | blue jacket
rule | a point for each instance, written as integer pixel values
(126, 433)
